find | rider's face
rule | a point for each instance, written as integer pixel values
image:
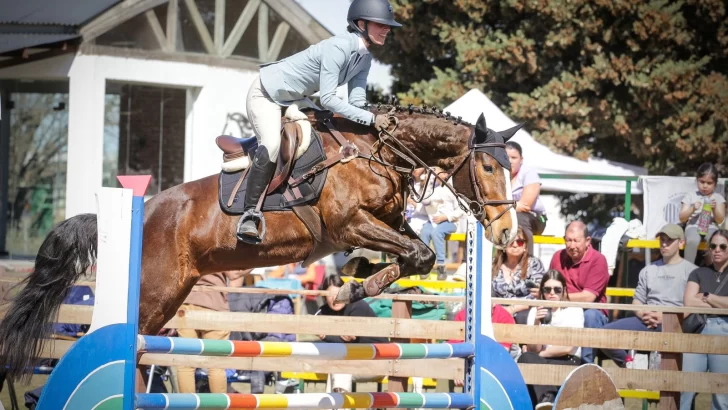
(377, 32)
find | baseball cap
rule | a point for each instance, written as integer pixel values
(672, 231)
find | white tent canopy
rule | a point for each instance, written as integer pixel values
(540, 157)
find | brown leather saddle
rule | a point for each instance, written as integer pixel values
(291, 182)
(291, 136)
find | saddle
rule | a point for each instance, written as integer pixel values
(301, 170)
(237, 151)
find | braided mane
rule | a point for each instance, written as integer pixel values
(412, 109)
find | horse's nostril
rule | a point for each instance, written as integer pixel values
(505, 234)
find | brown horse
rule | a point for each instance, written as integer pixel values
(187, 235)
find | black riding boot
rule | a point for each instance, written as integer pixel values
(260, 174)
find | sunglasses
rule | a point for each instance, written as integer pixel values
(557, 290)
(519, 242)
(722, 246)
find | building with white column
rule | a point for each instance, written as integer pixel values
(125, 87)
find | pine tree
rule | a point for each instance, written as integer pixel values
(641, 82)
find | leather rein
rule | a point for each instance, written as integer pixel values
(477, 206)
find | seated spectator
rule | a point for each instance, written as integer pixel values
(416, 213)
(512, 268)
(707, 288)
(585, 270)
(693, 204)
(208, 301)
(443, 212)
(339, 383)
(554, 288)
(526, 187)
(661, 284)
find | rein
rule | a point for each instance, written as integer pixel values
(349, 150)
(476, 207)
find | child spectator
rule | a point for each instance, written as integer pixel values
(702, 210)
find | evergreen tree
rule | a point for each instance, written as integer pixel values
(641, 82)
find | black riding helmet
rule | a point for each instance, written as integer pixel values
(378, 11)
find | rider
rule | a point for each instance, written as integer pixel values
(339, 60)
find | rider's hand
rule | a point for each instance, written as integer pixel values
(381, 122)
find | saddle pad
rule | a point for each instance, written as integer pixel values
(310, 189)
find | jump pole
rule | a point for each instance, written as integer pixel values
(98, 372)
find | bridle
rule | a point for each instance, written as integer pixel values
(477, 206)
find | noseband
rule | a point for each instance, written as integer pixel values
(477, 206)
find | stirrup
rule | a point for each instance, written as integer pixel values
(257, 217)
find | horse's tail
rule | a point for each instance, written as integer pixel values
(66, 253)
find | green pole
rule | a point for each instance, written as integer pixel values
(628, 201)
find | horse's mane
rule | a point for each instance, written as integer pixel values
(412, 109)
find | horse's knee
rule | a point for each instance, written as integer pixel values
(423, 259)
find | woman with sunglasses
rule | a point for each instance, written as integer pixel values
(706, 289)
(553, 288)
(514, 271)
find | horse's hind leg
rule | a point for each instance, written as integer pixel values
(413, 257)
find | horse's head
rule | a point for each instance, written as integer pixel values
(483, 176)
(474, 156)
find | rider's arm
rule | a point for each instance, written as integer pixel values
(358, 86)
(332, 61)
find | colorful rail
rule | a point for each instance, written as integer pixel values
(320, 351)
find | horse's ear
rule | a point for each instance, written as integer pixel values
(510, 132)
(480, 133)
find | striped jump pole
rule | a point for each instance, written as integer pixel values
(313, 351)
(305, 401)
(98, 372)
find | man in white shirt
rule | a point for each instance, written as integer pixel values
(443, 212)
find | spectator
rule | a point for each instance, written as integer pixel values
(693, 205)
(553, 288)
(443, 211)
(417, 215)
(706, 288)
(512, 268)
(206, 302)
(662, 284)
(332, 283)
(526, 187)
(586, 275)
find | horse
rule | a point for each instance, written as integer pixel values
(186, 234)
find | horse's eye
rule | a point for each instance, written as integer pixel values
(488, 168)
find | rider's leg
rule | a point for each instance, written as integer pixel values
(265, 117)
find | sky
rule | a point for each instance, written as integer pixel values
(332, 15)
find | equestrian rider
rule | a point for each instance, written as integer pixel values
(339, 60)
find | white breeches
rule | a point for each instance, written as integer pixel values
(265, 118)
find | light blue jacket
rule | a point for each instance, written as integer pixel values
(322, 67)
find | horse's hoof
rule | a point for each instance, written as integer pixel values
(351, 292)
(358, 267)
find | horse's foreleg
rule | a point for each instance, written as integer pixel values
(413, 257)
